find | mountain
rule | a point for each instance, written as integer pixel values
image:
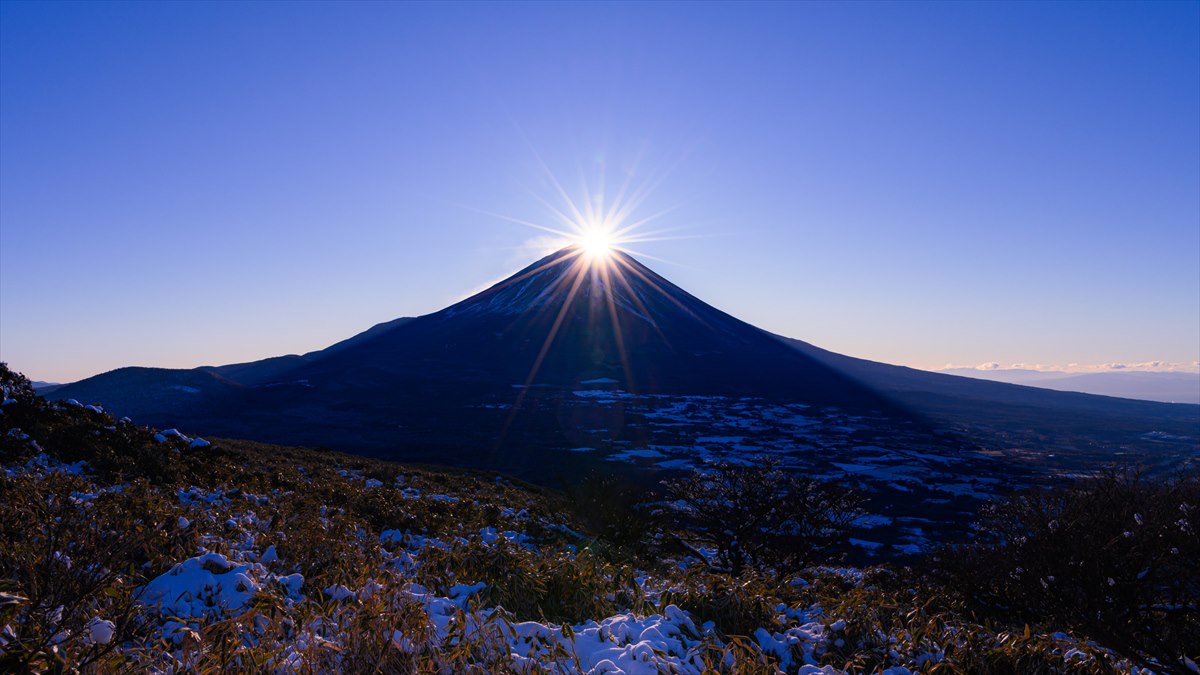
(1010, 375)
(611, 357)
(45, 387)
(619, 322)
(1166, 387)
(564, 320)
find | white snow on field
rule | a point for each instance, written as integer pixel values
(963, 489)
(99, 631)
(634, 453)
(42, 463)
(339, 592)
(720, 439)
(167, 434)
(677, 464)
(854, 468)
(872, 520)
(209, 585)
(603, 395)
(213, 587)
(863, 543)
(624, 643)
(822, 442)
(489, 535)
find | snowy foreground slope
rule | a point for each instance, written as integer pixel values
(125, 548)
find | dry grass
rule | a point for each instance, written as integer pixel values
(77, 547)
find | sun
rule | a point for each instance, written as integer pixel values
(597, 243)
(600, 228)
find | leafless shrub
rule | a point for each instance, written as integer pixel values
(759, 516)
(1116, 557)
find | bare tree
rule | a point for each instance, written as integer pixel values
(759, 516)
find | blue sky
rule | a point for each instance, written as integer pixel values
(186, 184)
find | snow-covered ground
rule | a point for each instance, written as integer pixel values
(237, 573)
(144, 550)
(937, 483)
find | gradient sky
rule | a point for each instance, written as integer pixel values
(186, 184)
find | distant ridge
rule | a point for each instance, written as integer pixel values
(1165, 387)
(45, 387)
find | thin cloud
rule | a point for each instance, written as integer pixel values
(1157, 366)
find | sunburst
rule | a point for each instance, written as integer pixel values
(598, 230)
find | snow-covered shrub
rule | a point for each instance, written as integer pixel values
(14, 387)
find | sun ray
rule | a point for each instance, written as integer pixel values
(580, 273)
(651, 236)
(577, 268)
(619, 337)
(562, 192)
(647, 256)
(532, 272)
(622, 231)
(653, 284)
(565, 218)
(600, 227)
(641, 306)
(516, 406)
(611, 211)
(518, 221)
(589, 201)
(643, 192)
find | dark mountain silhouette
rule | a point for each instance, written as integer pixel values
(45, 387)
(1041, 418)
(493, 376)
(562, 321)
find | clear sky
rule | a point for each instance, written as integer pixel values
(186, 184)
